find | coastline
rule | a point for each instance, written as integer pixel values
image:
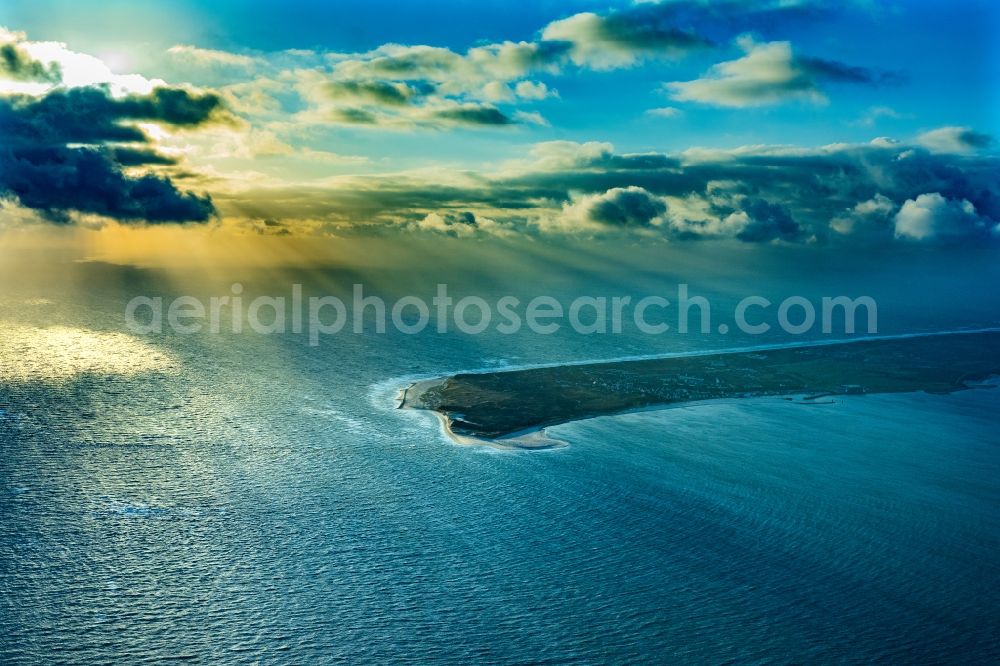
(486, 408)
(538, 438)
(535, 439)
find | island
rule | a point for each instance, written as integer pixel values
(511, 408)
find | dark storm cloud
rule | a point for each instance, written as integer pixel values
(92, 115)
(16, 64)
(766, 222)
(174, 106)
(139, 156)
(57, 180)
(58, 154)
(625, 207)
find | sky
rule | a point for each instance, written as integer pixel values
(781, 122)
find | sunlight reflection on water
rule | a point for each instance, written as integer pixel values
(60, 353)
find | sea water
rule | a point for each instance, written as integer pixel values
(252, 499)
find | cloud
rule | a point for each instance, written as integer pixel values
(876, 113)
(452, 73)
(838, 72)
(954, 140)
(463, 224)
(533, 90)
(473, 114)
(933, 218)
(872, 220)
(391, 93)
(444, 114)
(665, 112)
(354, 116)
(622, 38)
(35, 68)
(635, 209)
(570, 156)
(405, 87)
(92, 115)
(174, 106)
(69, 150)
(616, 209)
(398, 85)
(501, 61)
(210, 58)
(17, 65)
(841, 194)
(765, 221)
(270, 227)
(129, 157)
(630, 35)
(88, 180)
(531, 118)
(769, 73)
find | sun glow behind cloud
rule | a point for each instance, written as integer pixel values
(77, 69)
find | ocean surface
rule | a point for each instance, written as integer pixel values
(246, 499)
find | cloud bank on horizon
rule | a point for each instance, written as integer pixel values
(510, 137)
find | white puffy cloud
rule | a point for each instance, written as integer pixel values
(768, 73)
(954, 140)
(212, 58)
(933, 218)
(533, 90)
(616, 209)
(451, 225)
(871, 219)
(876, 113)
(531, 118)
(765, 75)
(619, 39)
(665, 112)
(462, 225)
